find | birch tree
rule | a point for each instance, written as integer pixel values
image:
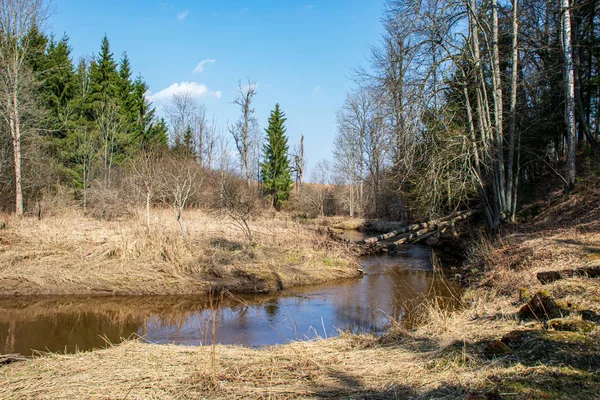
(569, 93)
(17, 18)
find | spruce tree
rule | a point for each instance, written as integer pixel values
(104, 77)
(148, 132)
(275, 168)
(60, 86)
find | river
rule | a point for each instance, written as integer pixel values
(394, 290)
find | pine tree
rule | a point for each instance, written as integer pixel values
(275, 168)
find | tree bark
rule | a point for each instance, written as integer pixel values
(510, 168)
(569, 95)
(15, 128)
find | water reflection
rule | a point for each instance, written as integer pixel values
(394, 289)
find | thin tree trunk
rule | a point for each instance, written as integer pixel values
(510, 179)
(148, 210)
(15, 128)
(497, 96)
(569, 95)
(85, 179)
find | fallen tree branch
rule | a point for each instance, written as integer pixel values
(427, 226)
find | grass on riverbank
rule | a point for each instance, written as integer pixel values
(483, 351)
(70, 253)
(448, 358)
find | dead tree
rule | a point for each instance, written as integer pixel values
(413, 231)
(243, 131)
(299, 163)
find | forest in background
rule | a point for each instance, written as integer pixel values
(464, 103)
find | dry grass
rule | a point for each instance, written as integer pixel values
(341, 367)
(438, 360)
(75, 254)
(565, 235)
(448, 357)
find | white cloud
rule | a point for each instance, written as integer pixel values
(181, 16)
(194, 88)
(304, 9)
(200, 67)
(316, 90)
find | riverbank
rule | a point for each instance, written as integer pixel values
(72, 254)
(515, 337)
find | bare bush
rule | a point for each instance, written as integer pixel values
(107, 202)
(179, 179)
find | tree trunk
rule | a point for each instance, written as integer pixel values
(510, 168)
(148, 210)
(423, 226)
(15, 129)
(497, 96)
(569, 95)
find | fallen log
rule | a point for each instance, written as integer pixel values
(429, 228)
(429, 225)
(584, 272)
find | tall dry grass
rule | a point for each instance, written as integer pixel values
(71, 252)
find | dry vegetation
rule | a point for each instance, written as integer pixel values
(70, 253)
(483, 351)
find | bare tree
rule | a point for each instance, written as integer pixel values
(244, 130)
(209, 148)
(86, 150)
(110, 123)
(321, 178)
(146, 169)
(17, 18)
(238, 201)
(201, 133)
(187, 121)
(299, 163)
(179, 182)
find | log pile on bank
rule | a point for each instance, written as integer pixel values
(414, 233)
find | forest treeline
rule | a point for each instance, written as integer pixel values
(87, 133)
(465, 102)
(470, 101)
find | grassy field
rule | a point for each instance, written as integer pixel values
(70, 253)
(482, 351)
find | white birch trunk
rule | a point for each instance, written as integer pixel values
(569, 94)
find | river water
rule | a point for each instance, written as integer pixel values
(394, 289)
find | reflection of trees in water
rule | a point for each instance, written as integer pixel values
(64, 332)
(272, 310)
(396, 295)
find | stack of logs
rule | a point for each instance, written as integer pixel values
(416, 233)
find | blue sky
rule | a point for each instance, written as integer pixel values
(301, 53)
